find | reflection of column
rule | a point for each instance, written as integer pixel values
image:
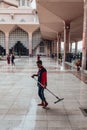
(6, 42)
(30, 44)
(76, 44)
(84, 45)
(66, 39)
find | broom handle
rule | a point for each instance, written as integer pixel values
(47, 89)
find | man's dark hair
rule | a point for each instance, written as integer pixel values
(39, 62)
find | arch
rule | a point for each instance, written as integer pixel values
(2, 39)
(36, 38)
(2, 43)
(19, 49)
(18, 38)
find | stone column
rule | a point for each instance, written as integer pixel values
(26, 4)
(20, 1)
(76, 46)
(66, 39)
(6, 42)
(70, 48)
(30, 44)
(58, 44)
(29, 2)
(84, 44)
(52, 47)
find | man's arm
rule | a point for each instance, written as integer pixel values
(34, 75)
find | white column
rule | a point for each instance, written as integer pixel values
(57, 49)
(84, 44)
(26, 3)
(30, 44)
(70, 48)
(29, 1)
(76, 47)
(66, 39)
(58, 45)
(20, 2)
(6, 42)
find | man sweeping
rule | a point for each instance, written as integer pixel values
(42, 83)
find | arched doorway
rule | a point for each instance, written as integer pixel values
(19, 49)
(2, 51)
(2, 43)
(36, 38)
(19, 42)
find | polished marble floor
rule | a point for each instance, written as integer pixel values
(19, 99)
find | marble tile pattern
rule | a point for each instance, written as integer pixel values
(19, 99)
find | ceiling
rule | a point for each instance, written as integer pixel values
(53, 14)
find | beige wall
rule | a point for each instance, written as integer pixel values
(18, 15)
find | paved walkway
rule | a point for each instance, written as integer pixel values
(19, 99)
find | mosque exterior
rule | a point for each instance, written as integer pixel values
(19, 29)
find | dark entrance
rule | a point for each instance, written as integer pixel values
(19, 49)
(2, 51)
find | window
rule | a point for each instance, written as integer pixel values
(36, 38)
(22, 20)
(41, 47)
(23, 2)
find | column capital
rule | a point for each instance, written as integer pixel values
(67, 25)
(6, 34)
(59, 35)
(30, 33)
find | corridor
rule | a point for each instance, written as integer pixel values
(19, 99)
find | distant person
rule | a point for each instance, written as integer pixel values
(8, 59)
(42, 78)
(12, 59)
(61, 58)
(78, 64)
(52, 55)
(38, 57)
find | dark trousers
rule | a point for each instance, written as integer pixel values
(41, 93)
(12, 61)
